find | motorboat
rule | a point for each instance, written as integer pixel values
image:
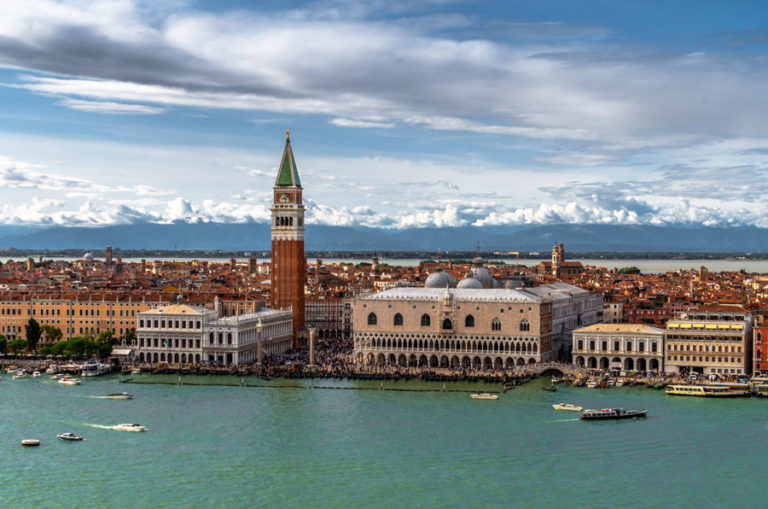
(36, 374)
(19, 374)
(567, 407)
(619, 383)
(67, 380)
(607, 414)
(51, 370)
(592, 384)
(550, 388)
(58, 376)
(119, 395)
(135, 428)
(485, 396)
(557, 380)
(95, 368)
(30, 442)
(69, 437)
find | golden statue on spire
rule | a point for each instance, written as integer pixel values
(287, 134)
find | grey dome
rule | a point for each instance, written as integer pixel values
(470, 283)
(482, 275)
(88, 256)
(438, 279)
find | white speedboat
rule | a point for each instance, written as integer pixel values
(567, 407)
(592, 384)
(36, 374)
(69, 381)
(69, 437)
(485, 396)
(136, 428)
(119, 395)
(30, 442)
(19, 374)
(58, 376)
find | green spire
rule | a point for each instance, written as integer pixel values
(288, 176)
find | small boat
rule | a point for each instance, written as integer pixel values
(69, 381)
(36, 374)
(58, 376)
(485, 396)
(19, 375)
(30, 442)
(119, 395)
(607, 414)
(619, 383)
(592, 384)
(557, 380)
(567, 407)
(136, 428)
(550, 388)
(69, 437)
(136, 371)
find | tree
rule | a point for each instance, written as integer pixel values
(59, 348)
(629, 270)
(78, 347)
(130, 335)
(3, 344)
(52, 334)
(33, 334)
(104, 343)
(17, 346)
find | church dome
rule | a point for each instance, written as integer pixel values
(88, 256)
(438, 279)
(482, 275)
(470, 283)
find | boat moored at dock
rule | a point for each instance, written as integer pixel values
(708, 391)
(485, 396)
(612, 414)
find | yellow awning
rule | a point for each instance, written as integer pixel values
(737, 327)
(685, 325)
(711, 326)
(698, 325)
(723, 326)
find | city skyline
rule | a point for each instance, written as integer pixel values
(402, 115)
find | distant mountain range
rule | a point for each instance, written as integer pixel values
(255, 236)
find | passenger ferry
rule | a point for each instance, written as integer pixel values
(707, 391)
(608, 414)
(485, 396)
(95, 368)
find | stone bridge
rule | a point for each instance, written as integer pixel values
(553, 368)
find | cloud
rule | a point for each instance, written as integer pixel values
(111, 108)
(364, 69)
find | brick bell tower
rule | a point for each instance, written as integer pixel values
(289, 264)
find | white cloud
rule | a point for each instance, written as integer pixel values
(111, 108)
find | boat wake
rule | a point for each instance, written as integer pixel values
(563, 420)
(99, 426)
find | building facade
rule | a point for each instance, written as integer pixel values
(332, 318)
(760, 345)
(621, 346)
(184, 334)
(289, 264)
(73, 317)
(715, 339)
(452, 327)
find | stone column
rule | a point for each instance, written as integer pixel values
(312, 331)
(259, 350)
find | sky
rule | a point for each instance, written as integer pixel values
(402, 114)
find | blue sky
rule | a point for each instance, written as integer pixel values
(402, 114)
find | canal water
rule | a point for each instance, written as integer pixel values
(286, 445)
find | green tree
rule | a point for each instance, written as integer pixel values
(59, 348)
(33, 334)
(3, 344)
(52, 334)
(104, 344)
(77, 347)
(130, 335)
(629, 270)
(17, 346)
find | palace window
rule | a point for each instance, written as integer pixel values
(496, 324)
(372, 320)
(398, 319)
(425, 320)
(447, 324)
(469, 321)
(524, 325)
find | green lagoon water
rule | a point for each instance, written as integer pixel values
(230, 446)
